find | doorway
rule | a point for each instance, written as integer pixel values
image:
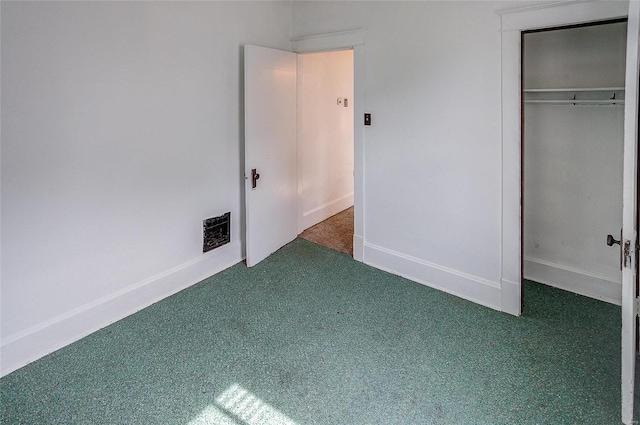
(572, 155)
(513, 23)
(271, 201)
(326, 148)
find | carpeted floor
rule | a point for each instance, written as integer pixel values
(335, 233)
(310, 336)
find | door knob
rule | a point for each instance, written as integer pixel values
(254, 178)
(611, 241)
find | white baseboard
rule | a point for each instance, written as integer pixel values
(577, 281)
(324, 211)
(24, 347)
(463, 285)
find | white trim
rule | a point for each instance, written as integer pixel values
(324, 211)
(562, 13)
(473, 288)
(581, 282)
(359, 182)
(512, 23)
(537, 7)
(352, 39)
(24, 347)
(328, 41)
(299, 146)
(511, 211)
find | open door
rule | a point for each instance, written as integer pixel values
(629, 239)
(271, 184)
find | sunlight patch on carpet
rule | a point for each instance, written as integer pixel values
(238, 406)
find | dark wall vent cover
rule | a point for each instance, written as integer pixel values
(216, 231)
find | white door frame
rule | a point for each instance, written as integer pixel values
(353, 39)
(513, 22)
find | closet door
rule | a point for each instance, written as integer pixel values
(630, 215)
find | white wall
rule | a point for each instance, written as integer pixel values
(122, 128)
(325, 135)
(592, 56)
(432, 157)
(121, 132)
(573, 162)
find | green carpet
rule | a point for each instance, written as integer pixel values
(310, 336)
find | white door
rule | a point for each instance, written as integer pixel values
(629, 209)
(270, 157)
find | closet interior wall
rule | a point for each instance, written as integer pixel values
(573, 84)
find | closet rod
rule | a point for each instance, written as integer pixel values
(591, 89)
(579, 102)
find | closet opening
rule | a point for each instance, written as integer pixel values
(572, 134)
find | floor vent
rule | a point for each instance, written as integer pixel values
(216, 231)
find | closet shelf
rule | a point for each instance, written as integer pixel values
(576, 96)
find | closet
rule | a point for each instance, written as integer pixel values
(572, 139)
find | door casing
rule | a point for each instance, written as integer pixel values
(513, 23)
